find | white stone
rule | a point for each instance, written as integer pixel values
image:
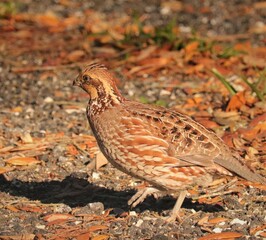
(238, 221)
(139, 223)
(132, 213)
(48, 100)
(95, 175)
(217, 230)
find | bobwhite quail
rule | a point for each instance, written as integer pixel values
(163, 147)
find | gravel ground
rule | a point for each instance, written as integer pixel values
(46, 106)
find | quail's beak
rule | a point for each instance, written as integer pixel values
(76, 81)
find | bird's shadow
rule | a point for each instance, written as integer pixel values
(76, 192)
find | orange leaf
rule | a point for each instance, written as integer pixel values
(190, 50)
(5, 169)
(72, 150)
(159, 61)
(191, 47)
(30, 208)
(236, 102)
(75, 55)
(17, 109)
(100, 237)
(97, 228)
(223, 235)
(12, 208)
(207, 123)
(145, 53)
(48, 20)
(203, 220)
(256, 229)
(57, 216)
(258, 119)
(22, 161)
(84, 236)
(217, 220)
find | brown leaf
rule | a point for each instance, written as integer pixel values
(190, 50)
(5, 169)
(194, 69)
(100, 237)
(57, 216)
(217, 220)
(75, 55)
(203, 220)
(100, 160)
(30, 208)
(72, 150)
(155, 62)
(236, 102)
(191, 47)
(254, 60)
(22, 161)
(48, 20)
(18, 237)
(226, 118)
(11, 208)
(223, 235)
(207, 123)
(145, 53)
(258, 119)
(84, 236)
(26, 138)
(258, 228)
(97, 228)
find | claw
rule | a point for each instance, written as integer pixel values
(140, 196)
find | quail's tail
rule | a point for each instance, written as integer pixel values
(237, 165)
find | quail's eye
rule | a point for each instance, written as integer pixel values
(86, 78)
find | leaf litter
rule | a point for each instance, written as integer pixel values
(48, 157)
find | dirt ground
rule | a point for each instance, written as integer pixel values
(50, 187)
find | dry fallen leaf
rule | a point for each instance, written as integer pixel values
(75, 55)
(83, 236)
(100, 237)
(97, 228)
(223, 235)
(5, 169)
(100, 160)
(236, 102)
(203, 220)
(57, 216)
(226, 118)
(22, 161)
(217, 220)
(26, 138)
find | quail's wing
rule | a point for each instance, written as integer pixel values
(178, 136)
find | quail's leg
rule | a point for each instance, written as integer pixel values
(140, 196)
(174, 215)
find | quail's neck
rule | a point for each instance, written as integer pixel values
(104, 102)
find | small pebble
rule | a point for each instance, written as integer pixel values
(40, 226)
(238, 221)
(139, 223)
(132, 213)
(48, 100)
(217, 230)
(95, 175)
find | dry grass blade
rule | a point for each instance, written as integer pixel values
(223, 80)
